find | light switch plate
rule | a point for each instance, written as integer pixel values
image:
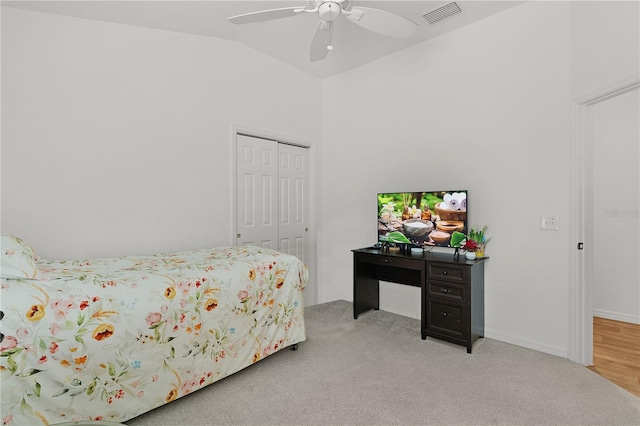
(549, 223)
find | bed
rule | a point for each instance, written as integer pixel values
(110, 339)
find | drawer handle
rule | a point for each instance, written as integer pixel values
(445, 272)
(444, 290)
(444, 314)
(386, 261)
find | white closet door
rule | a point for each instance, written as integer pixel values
(272, 199)
(257, 192)
(293, 177)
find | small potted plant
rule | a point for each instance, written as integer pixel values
(470, 248)
(473, 244)
(478, 235)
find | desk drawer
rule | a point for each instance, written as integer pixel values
(447, 290)
(447, 318)
(397, 262)
(447, 272)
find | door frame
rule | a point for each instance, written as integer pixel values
(581, 281)
(312, 285)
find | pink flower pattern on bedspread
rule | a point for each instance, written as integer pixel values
(109, 339)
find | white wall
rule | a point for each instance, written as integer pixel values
(605, 36)
(117, 140)
(486, 108)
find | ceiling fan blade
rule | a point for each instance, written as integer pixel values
(265, 15)
(383, 22)
(321, 40)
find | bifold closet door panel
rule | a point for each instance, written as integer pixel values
(256, 192)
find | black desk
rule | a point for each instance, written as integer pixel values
(451, 290)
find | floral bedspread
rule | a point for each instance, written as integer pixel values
(109, 339)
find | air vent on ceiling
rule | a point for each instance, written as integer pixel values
(443, 12)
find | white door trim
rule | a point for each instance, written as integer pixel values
(312, 286)
(581, 285)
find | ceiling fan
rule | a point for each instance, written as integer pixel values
(376, 20)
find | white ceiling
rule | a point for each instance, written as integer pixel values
(286, 39)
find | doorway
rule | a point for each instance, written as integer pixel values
(583, 211)
(616, 194)
(615, 211)
(273, 200)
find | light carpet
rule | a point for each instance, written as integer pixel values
(376, 370)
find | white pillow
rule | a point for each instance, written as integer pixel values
(18, 259)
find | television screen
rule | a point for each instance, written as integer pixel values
(424, 218)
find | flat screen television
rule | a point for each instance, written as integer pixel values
(425, 218)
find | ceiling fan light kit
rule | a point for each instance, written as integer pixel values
(376, 20)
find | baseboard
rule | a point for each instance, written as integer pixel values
(526, 343)
(617, 316)
(400, 299)
(491, 334)
(399, 311)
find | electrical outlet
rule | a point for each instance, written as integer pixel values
(549, 223)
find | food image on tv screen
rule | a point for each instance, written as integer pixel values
(423, 218)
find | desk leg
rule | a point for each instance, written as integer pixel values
(423, 303)
(366, 295)
(366, 289)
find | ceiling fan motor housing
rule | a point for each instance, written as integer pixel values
(330, 10)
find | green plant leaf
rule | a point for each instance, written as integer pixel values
(12, 365)
(29, 372)
(77, 392)
(59, 393)
(24, 407)
(456, 238)
(11, 351)
(92, 387)
(398, 237)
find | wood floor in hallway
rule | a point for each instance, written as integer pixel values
(616, 352)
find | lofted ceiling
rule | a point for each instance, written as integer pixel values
(286, 39)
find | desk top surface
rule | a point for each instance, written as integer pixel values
(428, 256)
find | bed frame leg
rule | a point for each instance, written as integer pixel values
(294, 347)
